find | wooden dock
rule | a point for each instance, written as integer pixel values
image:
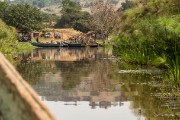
(18, 101)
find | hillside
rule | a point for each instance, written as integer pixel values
(85, 4)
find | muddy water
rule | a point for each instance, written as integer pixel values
(91, 84)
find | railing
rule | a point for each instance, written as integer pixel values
(18, 101)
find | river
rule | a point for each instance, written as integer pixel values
(91, 84)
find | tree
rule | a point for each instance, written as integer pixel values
(82, 25)
(70, 13)
(105, 18)
(72, 16)
(23, 17)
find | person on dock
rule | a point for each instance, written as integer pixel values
(37, 39)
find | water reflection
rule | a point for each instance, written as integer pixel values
(65, 54)
(82, 80)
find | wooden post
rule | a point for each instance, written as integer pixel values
(18, 101)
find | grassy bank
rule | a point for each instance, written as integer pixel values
(150, 35)
(8, 41)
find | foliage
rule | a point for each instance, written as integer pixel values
(81, 25)
(49, 17)
(23, 17)
(70, 13)
(3, 5)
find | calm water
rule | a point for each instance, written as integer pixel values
(90, 84)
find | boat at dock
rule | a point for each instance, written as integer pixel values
(76, 45)
(39, 44)
(81, 44)
(68, 44)
(62, 44)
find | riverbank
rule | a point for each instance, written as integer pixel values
(68, 35)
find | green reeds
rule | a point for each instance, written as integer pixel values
(174, 69)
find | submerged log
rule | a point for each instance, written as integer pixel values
(18, 100)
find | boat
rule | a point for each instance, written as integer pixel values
(73, 44)
(18, 97)
(39, 44)
(76, 45)
(63, 44)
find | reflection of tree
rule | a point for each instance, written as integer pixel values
(32, 71)
(72, 73)
(102, 76)
(101, 73)
(64, 54)
(90, 63)
(84, 80)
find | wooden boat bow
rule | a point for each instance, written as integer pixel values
(18, 100)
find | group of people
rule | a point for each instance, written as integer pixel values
(24, 37)
(52, 41)
(50, 35)
(56, 35)
(37, 39)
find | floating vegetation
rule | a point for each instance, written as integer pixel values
(141, 71)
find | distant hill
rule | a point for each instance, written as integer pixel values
(47, 3)
(54, 6)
